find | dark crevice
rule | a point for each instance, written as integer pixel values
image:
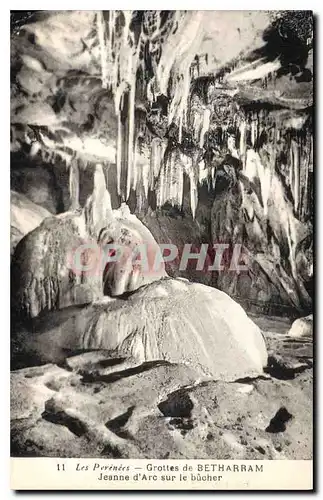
(116, 424)
(177, 404)
(278, 422)
(112, 377)
(248, 380)
(61, 418)
(278, 369)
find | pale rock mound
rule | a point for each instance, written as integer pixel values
(171, 320)
(43, 271)
(24, 217)
(302, 327)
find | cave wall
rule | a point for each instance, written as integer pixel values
(205, 145)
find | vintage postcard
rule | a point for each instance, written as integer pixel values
(162, 250)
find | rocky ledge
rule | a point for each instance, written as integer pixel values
(91, 405)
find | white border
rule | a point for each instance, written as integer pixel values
(316, 6)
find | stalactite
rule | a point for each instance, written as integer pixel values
(135, 166)
(180, 43)
(103, 48)
(131, 127)
(188, 38)
(160, 198)
(74, 184)
(264, 175)
(170, 177)
(155, 161)
(296, 176)
(196, 120)
(213, 177)
(145, 172)
(180, 128)
(251, 170)
(231, 145)
(302, 174)
(291, 169)
(242, 145)
(167, 186)
(305, 192)
(193, 191)
(205, 125)
(180, 188)
(172, 74)
(177, 182)
(253, 131)
(119, 152)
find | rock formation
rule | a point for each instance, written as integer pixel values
(164, 127)
(134, 129)
(64, 261)
(95, 406)
(302, 327)
(171, 320)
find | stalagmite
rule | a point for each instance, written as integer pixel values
(100, 188)
(98, 208)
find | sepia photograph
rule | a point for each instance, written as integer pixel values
(162, 213)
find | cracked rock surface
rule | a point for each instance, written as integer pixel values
(95, 406)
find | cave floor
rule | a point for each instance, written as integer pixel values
(93, 406)
(274, 324)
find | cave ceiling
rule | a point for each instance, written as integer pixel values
(75, 75)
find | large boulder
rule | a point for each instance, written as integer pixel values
(172, 320)
(24, 217)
